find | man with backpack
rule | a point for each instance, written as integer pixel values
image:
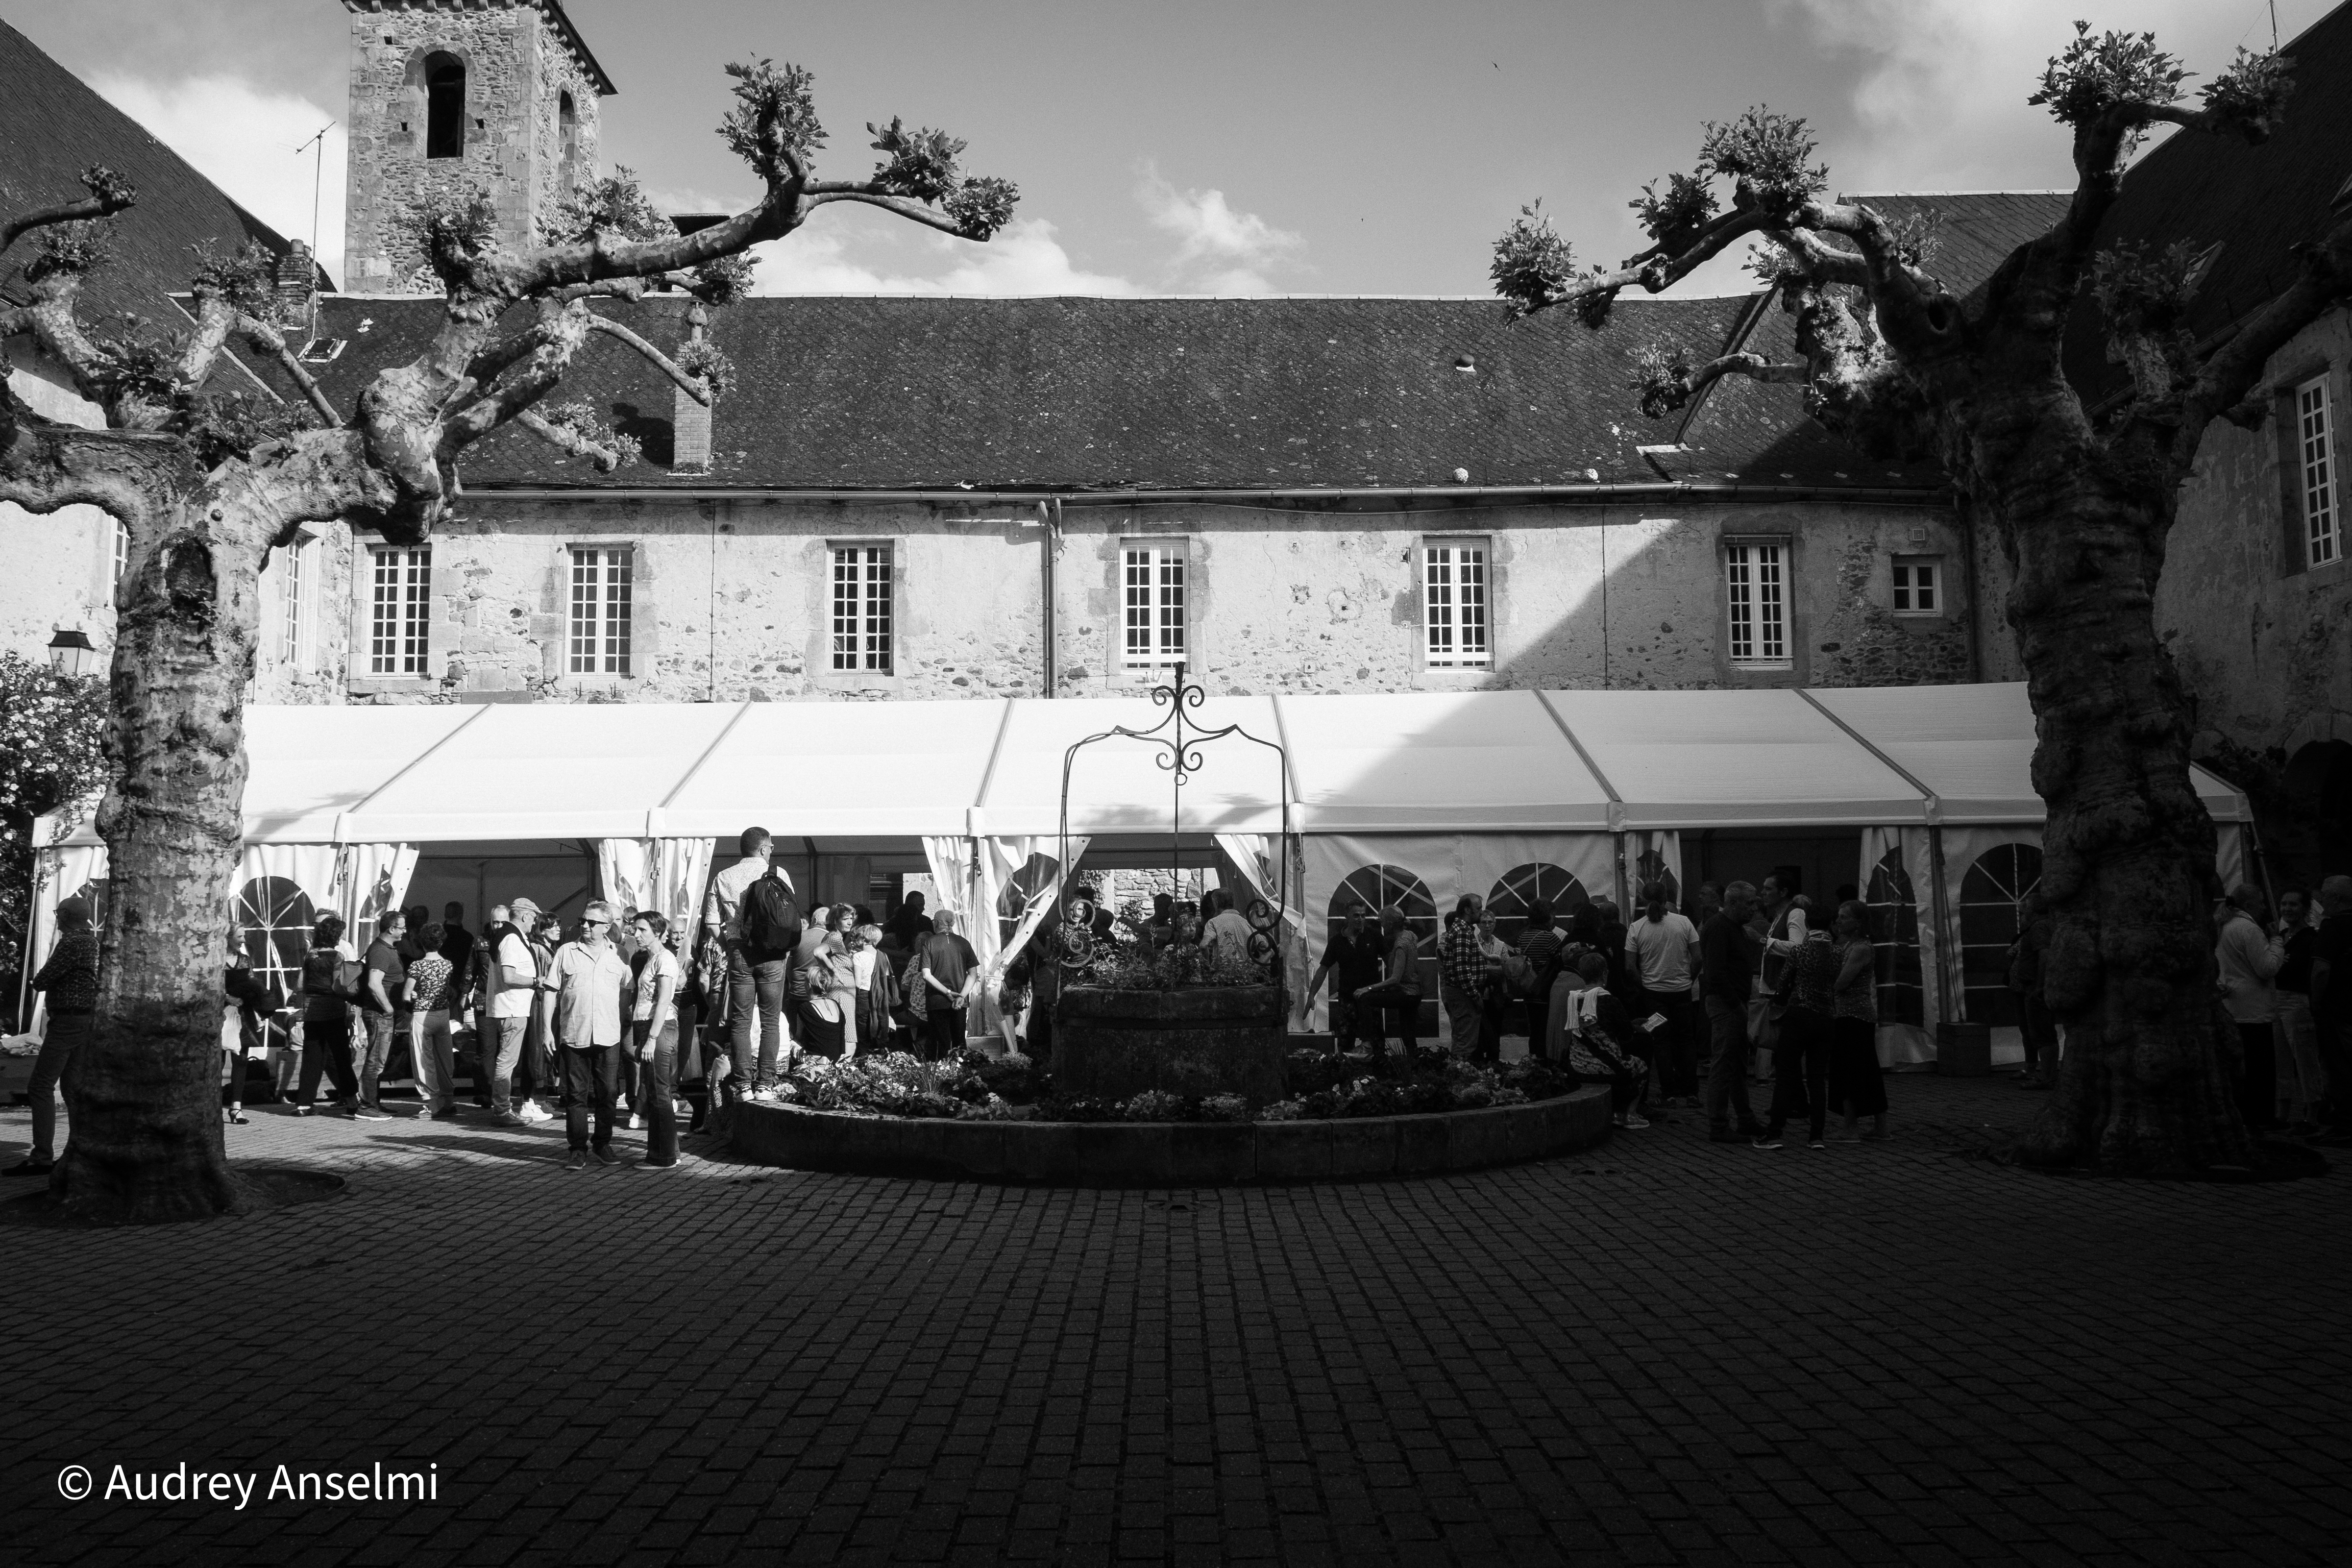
(750, 911)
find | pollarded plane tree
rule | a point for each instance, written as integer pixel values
(207, 484)
(1893, 362)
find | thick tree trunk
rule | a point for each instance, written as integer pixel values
(142, 1097)
(2127, 868)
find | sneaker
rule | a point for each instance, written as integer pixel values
(302, 1110)
(508, 1119)
(370, 1114)
(1765, 1141)
(1634, 1120)
(530, 1110)
(1816, 1143)
(604, 1155)
(636, 1122)
(576, 1161)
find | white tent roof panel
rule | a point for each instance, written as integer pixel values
(1437, 761)
(1431, 762)
(1728, 759)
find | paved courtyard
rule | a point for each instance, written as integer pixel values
(1664, 1351)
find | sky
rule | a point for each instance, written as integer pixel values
(1343, 147)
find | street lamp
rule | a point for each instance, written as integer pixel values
(70, 652)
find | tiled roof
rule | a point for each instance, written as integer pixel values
(51, 128)
(883, 393)
(2255, 203)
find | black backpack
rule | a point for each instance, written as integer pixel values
(770, 920)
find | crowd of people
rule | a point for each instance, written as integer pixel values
(1629, 1005)
(625, 1016)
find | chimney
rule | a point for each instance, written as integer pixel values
(690, 422)
(296, 289)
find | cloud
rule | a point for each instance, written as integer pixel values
(1939, 87)
(1024, 260)
(1217, 248)
(243, 140)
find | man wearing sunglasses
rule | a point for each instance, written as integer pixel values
(589, 977)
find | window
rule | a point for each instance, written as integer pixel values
(444, 107)
(1454, 603)
(599, 611)
(1153, 578)
(2323, 536)
(1758, 625)
(403, 589)
(861, 607)
(122, 555)
(293, 610)
(1916, 585)
(567, 120)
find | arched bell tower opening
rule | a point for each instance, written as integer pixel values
(448, 96)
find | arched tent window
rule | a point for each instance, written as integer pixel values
(444, 107)
(567, 126)
(2001, 876)
(274, 915)
(1523, 886)
(1894, 930)
(1383, 886)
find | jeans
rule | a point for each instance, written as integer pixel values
(67, 1030)
(327, 1048)
(437, 1069)
(502, 1049)
(1801, 1071)
(2257, 1075)
(1385, 1009)
(656, 1066)
(944, 1028)
(1726, 1065)
(1676, 1052)
(373, 1056)
(755, 1001)
(2302, 1083)
(592, 1077)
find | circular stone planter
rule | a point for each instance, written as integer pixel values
(1211, 1039)
(1169, 1153)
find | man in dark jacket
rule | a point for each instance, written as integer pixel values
(69, 982)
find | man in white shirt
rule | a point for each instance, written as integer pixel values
(589, 977)
(1663, 946)
(1227, 932)
(653, 1028)
(511, 986)
(755, 980)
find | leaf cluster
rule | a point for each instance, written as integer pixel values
(1532, 264)
(774, 122)
(139, 362)
(2091, 75)
(917, 163)
(1767, 154)
(109, 187)
(455, 228)
(76, 249)
(1661, 378)
(615, 206)
(583, 422)
(2142, 294)
(708, 362)
(2251, 94)
(246, 277)
(52, 758)
(233, 424)
(981, 205)
(723, 281)
(1674, 219)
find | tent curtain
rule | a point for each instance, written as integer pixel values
(1656, 852)
(1251, 854)
(1902, 1044)
(371, 879)
(622, 871)
(667, 875)
(1963, 847)
(2229, 854)
(1002, 860)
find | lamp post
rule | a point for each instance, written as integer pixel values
(72, 653)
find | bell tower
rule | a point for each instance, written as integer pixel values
(500, 95)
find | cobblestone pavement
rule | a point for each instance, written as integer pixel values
(1664, 1352)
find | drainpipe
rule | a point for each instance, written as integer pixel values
(1049, 512)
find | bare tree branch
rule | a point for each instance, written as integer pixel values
(907, 208)
(109, 194)
(692, 385)
(272, 341)
(2233, 370)
(606, 456)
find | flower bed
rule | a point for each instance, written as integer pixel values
(1346, 1117)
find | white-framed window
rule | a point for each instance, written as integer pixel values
(600, 609)
(861, 607)
(1756, 577)
(2315, 436)
(398, 610)
(1918, 585)
(121, 559)
(294, 604)
(1151, 576)
(1454, 603)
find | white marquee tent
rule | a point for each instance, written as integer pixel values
(1419, 797)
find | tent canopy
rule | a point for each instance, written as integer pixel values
(1455, 761)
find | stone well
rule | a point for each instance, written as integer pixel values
(1215, 1039)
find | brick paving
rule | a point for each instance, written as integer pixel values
(1663, 1352)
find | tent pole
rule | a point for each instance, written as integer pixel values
(1944, 1012)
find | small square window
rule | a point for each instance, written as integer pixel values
(1918, 585)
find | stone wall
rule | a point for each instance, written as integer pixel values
(732, 599)
(517, 70)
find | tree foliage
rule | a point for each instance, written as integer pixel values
(52, 759)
